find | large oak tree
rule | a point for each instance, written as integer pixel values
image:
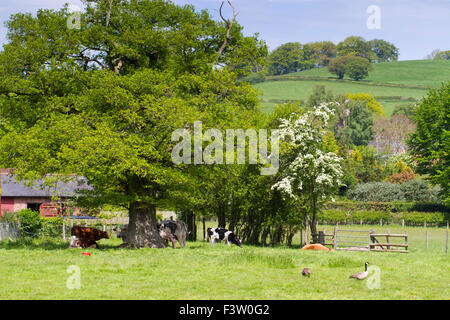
(102, 100)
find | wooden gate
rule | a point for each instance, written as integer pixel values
(352, 240)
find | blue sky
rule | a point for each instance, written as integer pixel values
(416, 27)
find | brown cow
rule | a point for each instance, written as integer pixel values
(87, 237)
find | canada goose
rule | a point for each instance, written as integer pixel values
(361, 275)
(306, 272)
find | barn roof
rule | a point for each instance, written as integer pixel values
(10, 187)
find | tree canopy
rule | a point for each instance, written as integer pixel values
(102, 101)
(430, 144)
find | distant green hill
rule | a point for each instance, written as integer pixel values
(392, 83)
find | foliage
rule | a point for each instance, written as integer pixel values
(384, 51)
(51, 227)
(102, 101)
(308, 174)
(354, 123)
(355, 46)
(357, 68)
(9, 217)
(337, 66)
(430, 144)
(320, 95)
(289, 57)
(442, 55)
(370, 101)
(323, 52)
(406, 174)
(394, 207)
(406, 109)
(30, 222)
(412, 218)
(413, 190)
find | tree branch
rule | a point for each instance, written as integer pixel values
(229, 27)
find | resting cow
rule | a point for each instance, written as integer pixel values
(223, 234)
(87, 237)
(74, 242)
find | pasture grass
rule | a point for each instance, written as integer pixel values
(391, 83)
(37, 269)
(275, 92)
(429, 73)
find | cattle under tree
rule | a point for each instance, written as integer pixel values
(88, 237)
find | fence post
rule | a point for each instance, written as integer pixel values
(381, 222)
(403, 223)
(388, 240)
(335, 238)
(446, 240)
(64, 231)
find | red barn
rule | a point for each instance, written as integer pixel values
(16, 196)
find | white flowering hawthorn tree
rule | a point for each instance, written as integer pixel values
(308, 174)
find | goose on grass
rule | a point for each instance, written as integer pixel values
(361, 275)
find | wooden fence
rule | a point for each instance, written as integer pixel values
(361, 240)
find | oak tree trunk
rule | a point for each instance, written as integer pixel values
(142, 230)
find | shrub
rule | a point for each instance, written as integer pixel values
(414, 190)
(51, 227)
(418, 190)
(376, 191)
(406, 174)
(30, 222)
(9, 217)
(373, 217)
(418, 218)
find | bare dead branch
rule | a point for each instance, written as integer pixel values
(229, 27)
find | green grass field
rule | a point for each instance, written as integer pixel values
(392, 83)
(38, 270)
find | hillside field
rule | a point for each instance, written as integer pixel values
(38, 269)
(392, 83)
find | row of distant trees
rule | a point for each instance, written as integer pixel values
(437, 54)
(294, 56)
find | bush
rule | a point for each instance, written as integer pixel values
(376, 191)
(354, 217)
(51, 227)
(418, 218)
(418, 190)
(395, 206)
(30, 222)
(9, 217)
(414, 190)
(373, 217)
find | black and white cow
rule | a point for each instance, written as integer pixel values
(223, 234)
